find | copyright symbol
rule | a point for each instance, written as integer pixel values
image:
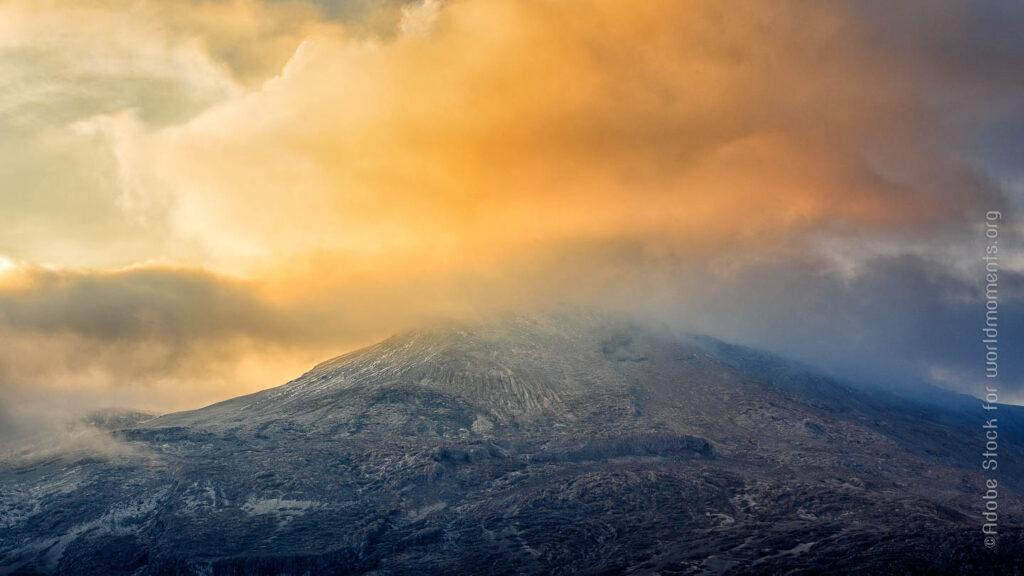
(990, 542)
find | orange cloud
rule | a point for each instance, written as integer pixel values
(500, 126)
(483, 153)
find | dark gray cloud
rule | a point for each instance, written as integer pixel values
(140, 304)
(897, 321)
(366, 17)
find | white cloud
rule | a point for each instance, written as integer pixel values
(418, 19)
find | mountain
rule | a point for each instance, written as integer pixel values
(569, 443)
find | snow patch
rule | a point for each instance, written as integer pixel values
(254, 507)
(482, 425)
(421, 513)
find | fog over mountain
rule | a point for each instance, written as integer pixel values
(570, 442)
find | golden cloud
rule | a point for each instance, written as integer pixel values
(497, 126)
(332, 185)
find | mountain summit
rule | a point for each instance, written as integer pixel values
(560, 443)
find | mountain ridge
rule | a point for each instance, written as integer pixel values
(532, 444)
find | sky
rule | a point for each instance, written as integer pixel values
(204, 198)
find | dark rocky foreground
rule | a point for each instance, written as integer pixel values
(564, 444)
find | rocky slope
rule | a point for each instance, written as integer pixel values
(558, 444)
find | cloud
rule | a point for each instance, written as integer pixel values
(894, 321)
(809, 177)
(133, 337)
(418, 19)
(512, 125)
(63, 68)
(163, 337)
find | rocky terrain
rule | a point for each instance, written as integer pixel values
(559, 444)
